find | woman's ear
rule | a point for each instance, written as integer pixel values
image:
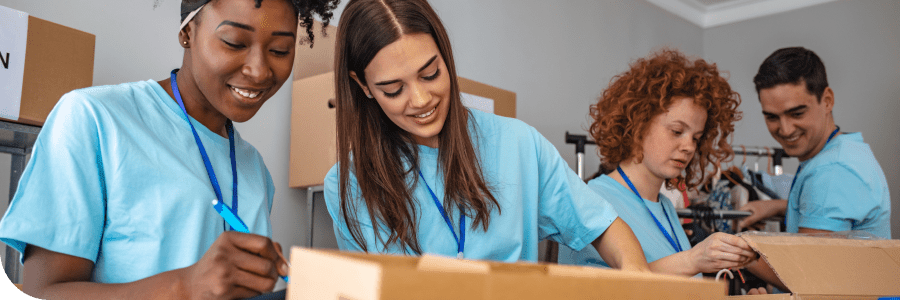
(361, 85)
(184, 36)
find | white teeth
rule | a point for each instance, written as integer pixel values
(426, 114)
(246, 93)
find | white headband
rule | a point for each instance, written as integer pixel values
(189, 17)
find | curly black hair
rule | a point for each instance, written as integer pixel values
(304, 9)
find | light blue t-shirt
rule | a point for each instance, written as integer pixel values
(540, 197)
(116, 177)
(630, 209)
(841, 188)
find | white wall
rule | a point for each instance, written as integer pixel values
(859, 42)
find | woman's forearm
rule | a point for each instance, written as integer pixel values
(620, 248)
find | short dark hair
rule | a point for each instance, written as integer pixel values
(793, 65)
(304, 9)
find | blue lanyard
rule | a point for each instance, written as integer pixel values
(833, 133)
(672, 241)
(209, 170)
(461, 240)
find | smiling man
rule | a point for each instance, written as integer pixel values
(839, 185)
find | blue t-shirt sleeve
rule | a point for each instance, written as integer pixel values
(60, 204)
(833, 198)
(570, 213)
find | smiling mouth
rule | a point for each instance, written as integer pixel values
(791, 139)
(246, 93)
(425, 115)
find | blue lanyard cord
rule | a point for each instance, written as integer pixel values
(833, 133)
(209, 170)
(461, 240)
(673, 242)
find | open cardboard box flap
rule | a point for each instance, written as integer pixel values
(327, 274)
(829, 266)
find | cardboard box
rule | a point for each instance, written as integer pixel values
(313, 139)
(830, 268)
(317, 274)
(47, 61)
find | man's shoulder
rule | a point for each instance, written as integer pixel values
(850, 155)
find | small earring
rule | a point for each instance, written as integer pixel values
(369, 95)
(184, 42)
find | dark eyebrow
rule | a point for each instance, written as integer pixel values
(387, 82)
(795, 109)
(284, 33)
(235, 24)
(789, 111)
(430, 61)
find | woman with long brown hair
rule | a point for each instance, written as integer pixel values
(420, 173)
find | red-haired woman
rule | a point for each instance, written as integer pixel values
(667, 117)
(420, 173)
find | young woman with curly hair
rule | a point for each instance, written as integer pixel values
(420, 173)
(115, 202)
(667, 117)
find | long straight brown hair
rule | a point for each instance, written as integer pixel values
(384, 157)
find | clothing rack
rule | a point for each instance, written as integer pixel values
(579, 141)
(777, 155)
(717, 213)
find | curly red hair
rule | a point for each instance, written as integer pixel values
(623, 112)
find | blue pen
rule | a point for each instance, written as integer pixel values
(233, 220)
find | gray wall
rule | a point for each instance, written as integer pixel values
(858, 42)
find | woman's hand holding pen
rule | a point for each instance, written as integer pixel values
(237, 265)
